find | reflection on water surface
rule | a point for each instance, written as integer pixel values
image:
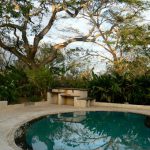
(88, 131)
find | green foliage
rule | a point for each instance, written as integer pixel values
(72, 82)
(42, 78)
(131, 1)
(15, 85)
(73, 77)
(11, 84)
(104, 87)
(34, 98)
(120, 89)
(134, 36)
(33, 84)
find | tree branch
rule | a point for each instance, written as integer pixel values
(60, 46)
(50, 58)
(104, 38)
(14, 51)
(24, 36)
(76, 39)
(22, 29)
(14, 26)
(76, 10)
(40, 36)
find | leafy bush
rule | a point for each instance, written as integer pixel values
(141, 92)
(71, 82)
(12, 80)
(42, 78)
(120, 89)
(32, 85)
(16, 85)
(34, 98)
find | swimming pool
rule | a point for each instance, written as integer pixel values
(85, 131)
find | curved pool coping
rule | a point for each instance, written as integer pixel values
(11, 139)
(55, 109)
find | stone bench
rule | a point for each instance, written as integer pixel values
(67, 99)
(52, 95)
(84, 102)
(3, 104)
(70, 96)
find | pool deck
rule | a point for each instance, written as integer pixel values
(11, 118)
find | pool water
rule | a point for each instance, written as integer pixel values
(88, 131)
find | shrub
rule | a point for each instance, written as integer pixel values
(120, 89)
(71, 82)
(12, 80)
(41, 78)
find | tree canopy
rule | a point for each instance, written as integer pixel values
(21, 20)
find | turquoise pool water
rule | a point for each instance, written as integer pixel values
(88, 131)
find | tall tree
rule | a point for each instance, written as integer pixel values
(118, 29)
(21, 19)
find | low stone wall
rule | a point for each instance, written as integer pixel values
(128, 106)
(3, 104)
(42, 103)
(15, 106)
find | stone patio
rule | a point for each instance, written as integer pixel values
(12, 117)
